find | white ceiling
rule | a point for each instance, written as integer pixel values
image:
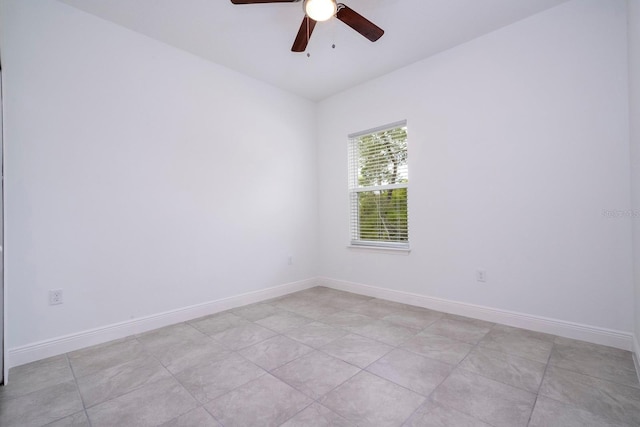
(256, 39)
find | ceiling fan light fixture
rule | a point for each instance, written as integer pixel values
(320, 10)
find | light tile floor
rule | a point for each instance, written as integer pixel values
(322, 357)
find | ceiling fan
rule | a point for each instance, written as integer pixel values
(322, 10)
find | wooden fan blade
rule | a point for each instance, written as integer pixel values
(304, 34)
(359, 22)
(262, 1)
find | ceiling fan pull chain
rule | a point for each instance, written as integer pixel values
(333, 33)
(308, 35)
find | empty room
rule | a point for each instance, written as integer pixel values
(314, 213)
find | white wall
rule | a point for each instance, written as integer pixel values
(518, 142)
(134, 172)
(634, 116)
(141, 179)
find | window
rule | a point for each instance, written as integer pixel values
(378, 187)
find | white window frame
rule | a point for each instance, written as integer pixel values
(355, 188)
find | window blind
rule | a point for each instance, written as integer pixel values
(379, 186)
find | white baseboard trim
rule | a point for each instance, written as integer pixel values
(60, 345)
(596, 335)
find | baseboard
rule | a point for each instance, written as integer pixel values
(52, 347)
(60, 345)
(596, 335)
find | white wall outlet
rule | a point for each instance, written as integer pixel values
(481, 275)
(290, 260)
(55, 296)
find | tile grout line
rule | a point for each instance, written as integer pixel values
(268, 372)
(146, 353)
(168, 371)
(343, 382)
(314, 400)
(571, 405)
(199, 404)
(544, 374)
(476, 345)
(399, 347)
(394, 347)
(595, 377)
(436, 387)
(233, 351)
(253, 363)
(75, 379)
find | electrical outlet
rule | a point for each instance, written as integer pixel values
(55, 296)
(481, 275)
(290, 260)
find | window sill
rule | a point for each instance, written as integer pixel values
(380, 249)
